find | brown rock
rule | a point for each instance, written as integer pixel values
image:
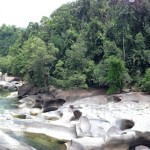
(114, 99)
(24, 90)
(77, 114)
(34, 91)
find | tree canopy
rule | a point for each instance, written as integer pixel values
(87, 43)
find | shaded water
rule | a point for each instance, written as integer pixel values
(39, 142)
(7, 103)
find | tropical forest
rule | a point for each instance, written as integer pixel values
(79, 79)
(87, 43)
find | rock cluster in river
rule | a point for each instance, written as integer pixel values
(119, 122)
(100, 122)
(10, 83)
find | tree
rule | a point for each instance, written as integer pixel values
(138, 53)
(100, 74)
(77, 80)
(110, 49)
(146, 81)
(32, 30)
(116, 74)
(86, 42)
(40, 61)
(76, 56)
(94, 39)
(34, 61)
(5, 63)
(8, 36)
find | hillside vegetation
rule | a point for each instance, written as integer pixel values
(87, 43)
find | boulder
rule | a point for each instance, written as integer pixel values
(53, 102)
(43, 101)
(13, 95)
(4, 84)
(84, 127)
(37, 105)
(49, 108)
(51, 105)
(35, 111)
(114, 98)
(99, 127)
(29, 100)
(34, 91)
(45, 97)
(77, 114)
(13, 86)
(54, 91)
(24, 90)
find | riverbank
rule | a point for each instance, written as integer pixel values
(86, 119)
(99, 122)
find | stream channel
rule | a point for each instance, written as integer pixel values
(39, 142)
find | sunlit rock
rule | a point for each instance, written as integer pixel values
(35, 111)
(13, 95)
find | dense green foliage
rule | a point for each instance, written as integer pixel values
(116, 74)
(146, 81)
(87, 43)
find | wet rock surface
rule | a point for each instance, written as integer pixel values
(12, 85)
(9, 143)
(92, 123)
(24, 90)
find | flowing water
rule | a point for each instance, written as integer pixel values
(39, 142)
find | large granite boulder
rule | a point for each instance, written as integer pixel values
(94, 123)
(84, 127)
(42, 101)
(29, 89)
(24, 90)
(29, 100)
(12, 86)
(77, 115)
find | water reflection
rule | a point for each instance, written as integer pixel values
(38, 141)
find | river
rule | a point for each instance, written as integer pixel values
(39, 142)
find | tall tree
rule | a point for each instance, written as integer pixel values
(116, 74)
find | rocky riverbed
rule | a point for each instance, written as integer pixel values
(100, 122)
(119, 122)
